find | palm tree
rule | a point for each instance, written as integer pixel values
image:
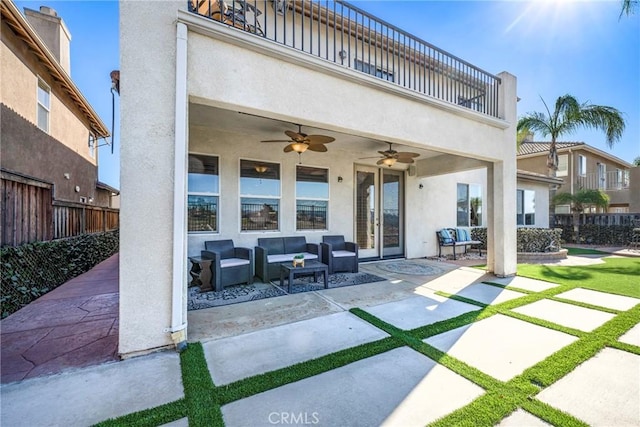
(568, 116)
(579, 203)
(628, 7)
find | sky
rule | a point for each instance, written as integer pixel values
(553, 47)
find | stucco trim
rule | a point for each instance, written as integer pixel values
(243, 39)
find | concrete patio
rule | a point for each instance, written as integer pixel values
(247, 339)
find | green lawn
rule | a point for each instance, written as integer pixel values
(617, 275)
(584, 251)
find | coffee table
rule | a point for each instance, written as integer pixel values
(310, 267)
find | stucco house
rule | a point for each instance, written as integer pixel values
(204, 83)
(49, 130)
(582, 166)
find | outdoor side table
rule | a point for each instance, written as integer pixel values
(310, 267)
(201, 273)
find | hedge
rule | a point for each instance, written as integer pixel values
(30, 271)
(605, 235)
(528, 239)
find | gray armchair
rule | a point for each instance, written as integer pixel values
(339, 255)
(230, 265)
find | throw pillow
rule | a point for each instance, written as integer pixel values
(446, 236)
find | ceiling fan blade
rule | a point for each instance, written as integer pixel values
(385, 153)
(293, 135)
(407, 154)
(380, 162)
(365, 158)
(404, 160)
(319, 139)
(288, 149)
(318, 147)
(277, 140)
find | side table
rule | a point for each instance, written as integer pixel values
(201, 273)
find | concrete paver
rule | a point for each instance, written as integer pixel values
(602, 299)
(632, 336)
(523, 283)
(603, 391)
(399, 387)
(419, 311)
(90, 395)
(500, 346)
(521, 418)
(488, 294)
(572, 316)
(234, 358)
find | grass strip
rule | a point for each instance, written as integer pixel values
(437, 328)
(159, 415)
(270, 380)
(584, 251)
(551, 415)
(199, 390)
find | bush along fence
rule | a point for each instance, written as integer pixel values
(528, 239)
(605, 235)
(30, 271)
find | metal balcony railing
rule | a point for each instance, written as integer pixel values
(609, 181)
(344, 34)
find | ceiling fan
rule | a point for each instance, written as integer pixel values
(301, 142)
(391, 156)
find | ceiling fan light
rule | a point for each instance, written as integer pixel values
(389, 161)
(299, 147)
(261, 168)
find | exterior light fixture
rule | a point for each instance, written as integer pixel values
(299, 147)
(389, 161)
(339, 179)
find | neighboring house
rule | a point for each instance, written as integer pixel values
(49, 130)
(198, 96)
(582, 166)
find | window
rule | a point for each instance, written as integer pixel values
(203, 193)
(44, 105)
(526, 207)
(602, 176)
(373, 70)
(469, 205)
(563, 209)
(312, 198)
(259, 195)
(92, 146)
(563, 165)
(582, 165)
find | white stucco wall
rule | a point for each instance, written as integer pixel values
(541, 202)
(307, 90)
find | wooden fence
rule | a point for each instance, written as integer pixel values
(29, 213)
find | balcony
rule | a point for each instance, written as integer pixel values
(609, 181)
(350, 37)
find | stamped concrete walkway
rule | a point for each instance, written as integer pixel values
(73, 326)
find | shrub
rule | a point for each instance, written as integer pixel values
(528, 239)
(606, 235)
(30, 271)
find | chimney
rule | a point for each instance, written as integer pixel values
(52, 30)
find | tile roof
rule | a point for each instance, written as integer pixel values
(533, 147)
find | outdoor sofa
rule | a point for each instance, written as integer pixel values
(272, 251)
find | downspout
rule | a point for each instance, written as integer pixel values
(178, 325)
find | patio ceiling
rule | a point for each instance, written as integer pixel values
(262, 128)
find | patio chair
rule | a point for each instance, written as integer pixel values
(230, 265)
(339, 255)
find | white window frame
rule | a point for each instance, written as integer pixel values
(313, 199)
(563, 165)
(259, 196)
(520, 202)
(92, 146)
(582, 165)
(602, 176)
(42, 85)
(206, 194)
(468, 207)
